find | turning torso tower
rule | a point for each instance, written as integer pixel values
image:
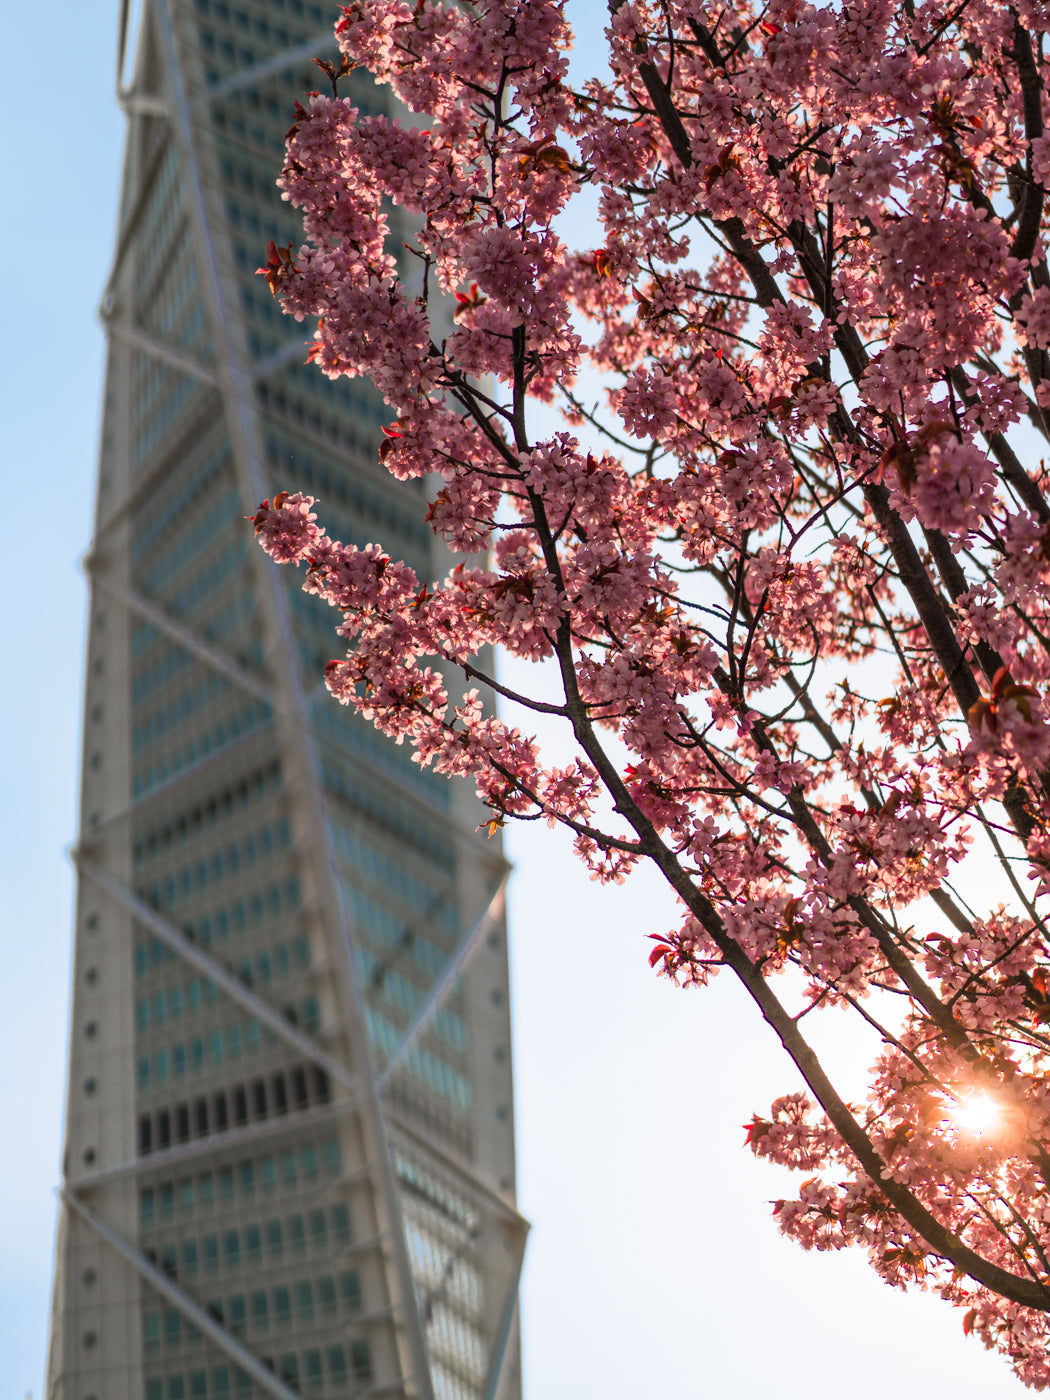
(289, 1158)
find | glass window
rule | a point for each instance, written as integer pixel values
(172, 1327)
(361, 1360)
(198, 1385)
(288, 1171)
(176, 1388)
(151, 1330)
(220, 1382)
(211, 1252)
(337, 1365)
(326, 1293)
(312, 1369)
(296, 1233)
(275, 1239)
(340, 1223)
(260, 1309)
(226, 1186)
(232, 1244)
(252, 1244)
(247, 1178)
(233, 1041)
(304, 1300)
(332, 1157)
(154, 1389)
(289, 1368)
(282, 1304)
(350, 1287)
(308, 1161)
(186, 1194)
(206, 1189)
(189, 1258)
(318, 1229)
(268, 1173)
(167, 1201)
(147, 1209)
(238, 1314)
(178, 1060)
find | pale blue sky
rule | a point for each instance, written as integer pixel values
(654, 1268)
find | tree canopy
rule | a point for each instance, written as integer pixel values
(792, 572)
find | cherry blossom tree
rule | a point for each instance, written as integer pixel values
(792, 572)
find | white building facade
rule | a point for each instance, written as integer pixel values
(289, 1156)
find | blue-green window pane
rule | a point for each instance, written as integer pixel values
(350, 1287)
(361, 1360)
(318, 1229)
(238, 1314)
(275, 1239)
(312, 1371)
(232, 1248)
(336, 1357)
(340, 1217)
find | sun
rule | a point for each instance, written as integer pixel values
(977, 1115)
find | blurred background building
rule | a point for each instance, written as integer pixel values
(289, 1157)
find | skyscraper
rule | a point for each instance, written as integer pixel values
(289, 1160)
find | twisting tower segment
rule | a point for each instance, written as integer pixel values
(289, 1157)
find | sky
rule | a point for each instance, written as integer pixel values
(654, 1268)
